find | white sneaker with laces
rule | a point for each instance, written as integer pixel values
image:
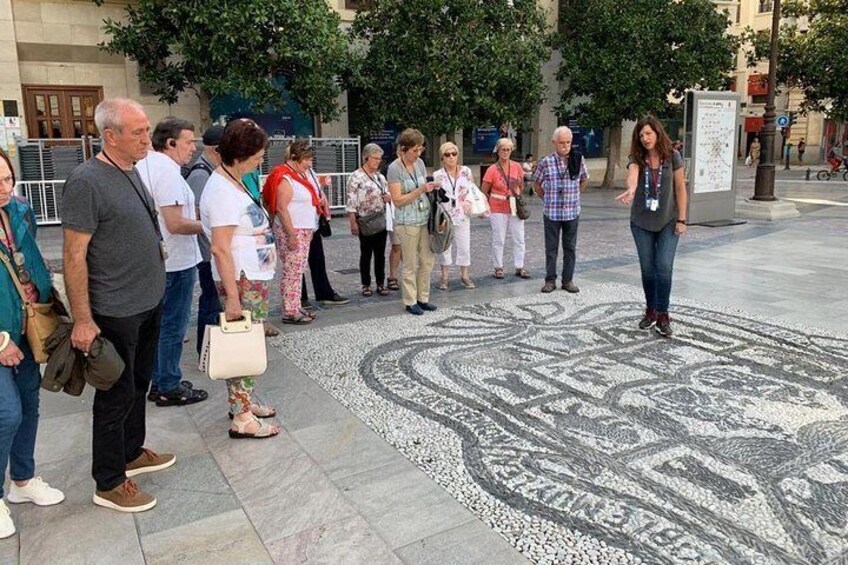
(7, 527)
(36, 491)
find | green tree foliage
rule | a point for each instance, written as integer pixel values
(443, 65)
(812, 53)
(219, 48)
(622, 59)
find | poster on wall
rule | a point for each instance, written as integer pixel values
(485, 138)
(714, 152)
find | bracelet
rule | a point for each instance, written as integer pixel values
(5, 338)
(681, 222)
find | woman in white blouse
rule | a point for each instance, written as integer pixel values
(455, 183)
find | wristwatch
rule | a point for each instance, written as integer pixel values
(681, 222)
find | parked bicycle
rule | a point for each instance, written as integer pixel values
(830, 172)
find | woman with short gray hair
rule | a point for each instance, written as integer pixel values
(367, 198)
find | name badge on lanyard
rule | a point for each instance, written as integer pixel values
(652, 197)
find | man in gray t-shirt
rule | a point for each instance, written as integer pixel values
(115, 278)
(209, 304)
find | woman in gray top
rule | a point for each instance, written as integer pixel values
(656, 192)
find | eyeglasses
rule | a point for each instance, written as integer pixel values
(451, 154)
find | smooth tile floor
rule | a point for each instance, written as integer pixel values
(328, 489)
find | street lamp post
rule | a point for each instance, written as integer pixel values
(764, 183)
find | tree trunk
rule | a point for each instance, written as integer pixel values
(205, 109)
(612, 159)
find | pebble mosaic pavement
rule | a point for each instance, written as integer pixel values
(581, 439)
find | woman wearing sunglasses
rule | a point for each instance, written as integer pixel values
(454, 181)
(19, 375)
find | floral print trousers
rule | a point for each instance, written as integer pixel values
(254, 297)
(294, 264)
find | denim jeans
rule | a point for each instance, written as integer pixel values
(209, 303)
(553, 230)
(19, 417)
(118, 427)
(176, 308)
(656, 258)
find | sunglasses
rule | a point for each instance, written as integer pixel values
(451, 154)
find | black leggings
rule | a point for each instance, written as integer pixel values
(373, 245)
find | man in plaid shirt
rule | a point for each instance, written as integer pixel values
(559, 179)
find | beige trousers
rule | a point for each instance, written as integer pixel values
(418, 263)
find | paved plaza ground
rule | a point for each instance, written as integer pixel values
(511, 425)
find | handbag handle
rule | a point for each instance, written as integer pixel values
(241, 325)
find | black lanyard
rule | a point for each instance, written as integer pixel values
(150, 212)
(414, 178)
(649, 177)
(249, 195)
(453, 183)
(506, 178)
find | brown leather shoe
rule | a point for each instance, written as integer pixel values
(126, 497)
(149, 461)
(550, 286)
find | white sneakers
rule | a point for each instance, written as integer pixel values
(7, 527)
(36, 491)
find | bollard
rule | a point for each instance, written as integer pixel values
(807, 176)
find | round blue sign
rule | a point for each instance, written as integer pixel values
(782, 121)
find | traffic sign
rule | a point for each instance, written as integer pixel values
(782, 121)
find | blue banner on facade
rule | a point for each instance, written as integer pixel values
(590, 141)
(485, 139)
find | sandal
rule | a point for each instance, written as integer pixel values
(393, 284)
(521, 273)
(382, 291)
(308, 313)
(467, 283)
(443, 284)
(499, 273)
(264, 430)
(270, 329)
(259, 411)
(300, 320)
(366, 291)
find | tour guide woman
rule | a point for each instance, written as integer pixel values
(19, 375)
(656, 191)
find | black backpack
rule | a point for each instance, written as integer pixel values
(199, 165)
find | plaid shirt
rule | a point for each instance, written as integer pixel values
(562, 195)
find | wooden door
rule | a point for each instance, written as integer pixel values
(61, 112)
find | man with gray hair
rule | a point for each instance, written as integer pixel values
(559, 179)
(160, 170)
(114, 260)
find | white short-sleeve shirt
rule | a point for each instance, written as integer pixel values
(253, 251)
(162, 177)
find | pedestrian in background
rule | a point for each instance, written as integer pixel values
(560, 179)
(502, 181)
(802, 147)
(367, 196)
(409, 187)
(19, 374)
(208, 304)
(754, 152)
(656, 193)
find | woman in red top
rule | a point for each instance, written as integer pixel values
(503, 180)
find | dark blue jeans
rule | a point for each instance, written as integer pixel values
(209, 303)
(656, 258)
(176, 308)
(19, 417)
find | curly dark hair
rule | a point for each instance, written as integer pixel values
(242, 139)
(638, 152)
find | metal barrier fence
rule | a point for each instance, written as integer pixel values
(44, 164)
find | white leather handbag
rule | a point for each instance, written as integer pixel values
(234, 349)
(479, 204)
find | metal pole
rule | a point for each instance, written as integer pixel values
(764, 184)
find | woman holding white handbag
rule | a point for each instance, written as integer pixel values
(243, 257)
(456, 185)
